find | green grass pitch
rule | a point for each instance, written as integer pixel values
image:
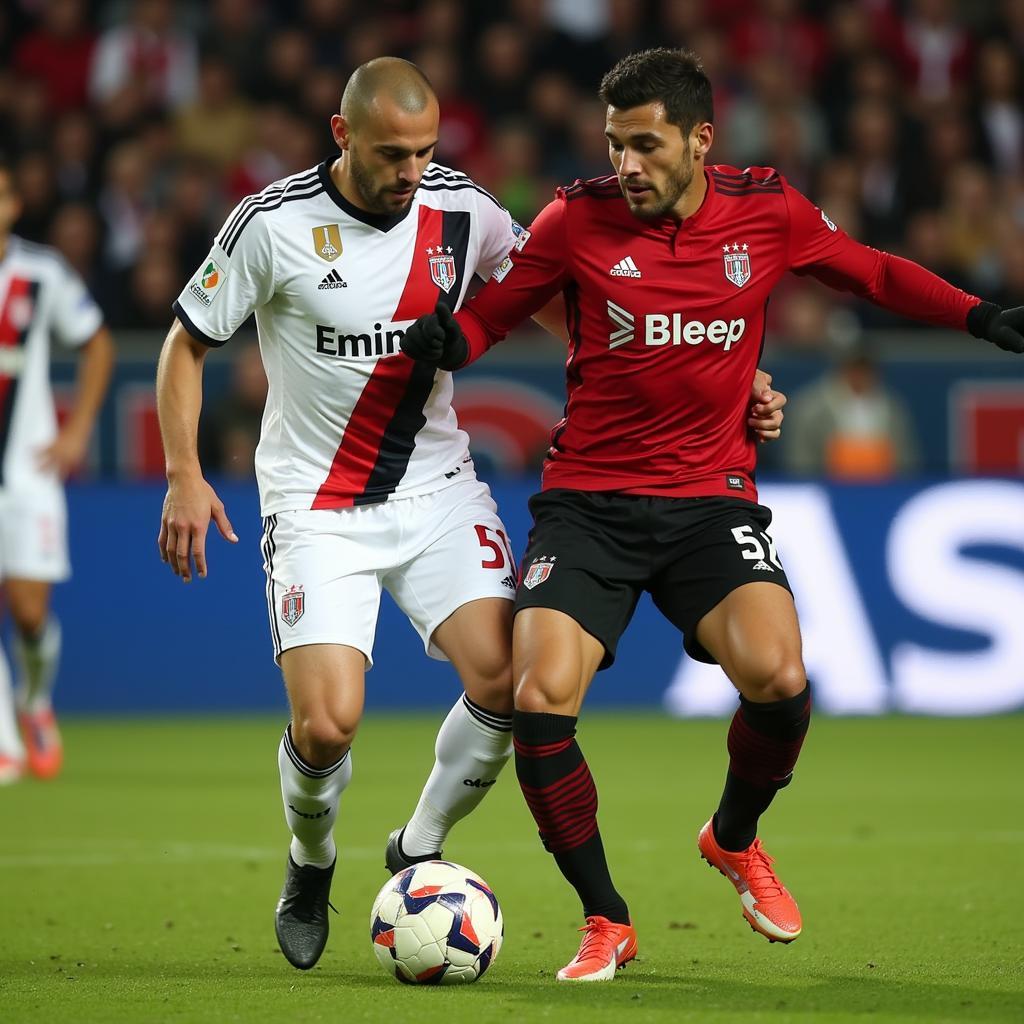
(141, 885)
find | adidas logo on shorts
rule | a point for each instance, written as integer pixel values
(509, 582)
(763, 566)
(332, 280)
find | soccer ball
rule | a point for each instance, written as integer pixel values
(436, 923)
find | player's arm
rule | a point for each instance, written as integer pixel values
(818, 247)
(191, 502)
(520, 286)
(235, 279)
(95, 364)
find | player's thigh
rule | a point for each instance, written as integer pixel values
(456, 554)
(554, 661)
(325, 684)
(583, 572)
(477, 639)
(320, 584)
(33, 540)
(717, 548)
(753, 633)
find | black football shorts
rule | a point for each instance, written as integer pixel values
(591, 554)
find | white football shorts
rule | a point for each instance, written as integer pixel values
(34, 534)
(432, 553)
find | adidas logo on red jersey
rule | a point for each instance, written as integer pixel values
(625, 268)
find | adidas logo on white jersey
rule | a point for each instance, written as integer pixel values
(625, 268)
(763, 566)
(332, 280)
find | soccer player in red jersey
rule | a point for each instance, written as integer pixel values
(666, 267)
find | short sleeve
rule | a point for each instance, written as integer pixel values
(498, 234)
(75, 317)
(234, 280)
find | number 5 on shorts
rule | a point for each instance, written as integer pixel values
(751, 547)
(500, 550)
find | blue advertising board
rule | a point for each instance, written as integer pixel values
(910, 599)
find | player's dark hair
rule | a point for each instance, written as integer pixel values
(673, 77)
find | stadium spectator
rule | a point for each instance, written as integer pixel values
(142, 65)
(849, 426)
(229, 429)
(217, 126)
(59, 53)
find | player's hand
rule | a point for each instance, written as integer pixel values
(1003, 327)
(188, 508)
(765, 408)
(66, 453)
(436, 339)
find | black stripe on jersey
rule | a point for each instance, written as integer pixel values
(270, 192)
(186, 322)
(269, 547)
(438, 175)
(748, 191)
(11, 396)
(442, 185)
(270, 204)
(399, 438)
(746, 176)
(606, 187)
(455, 226)
(573, 318)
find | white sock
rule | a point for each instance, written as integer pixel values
(311, 797)
(472, 747)
(37, 658)
(10, 739)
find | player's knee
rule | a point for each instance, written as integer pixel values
(29, 616)
(490, 684)
(322, 739)
(774, 679)
(544, 692)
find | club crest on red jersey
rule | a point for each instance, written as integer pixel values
(442, 267)
(539, 571)
(737, 263)
(293, 604)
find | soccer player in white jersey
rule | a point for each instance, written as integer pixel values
(365, 480)
(40, 298)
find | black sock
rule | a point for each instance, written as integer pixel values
(764, 744)
(560, 792)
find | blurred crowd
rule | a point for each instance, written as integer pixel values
(135, 125)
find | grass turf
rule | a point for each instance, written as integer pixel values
(140, 886)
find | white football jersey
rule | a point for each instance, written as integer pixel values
(349, 420)
(40, 296)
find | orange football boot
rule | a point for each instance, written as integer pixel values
(11, 769)
(43, 747)
(767, 905)
(606, 946)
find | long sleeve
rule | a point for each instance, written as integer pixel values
(533, 272)
(819, 248)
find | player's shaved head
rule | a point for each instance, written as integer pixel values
(385, 78)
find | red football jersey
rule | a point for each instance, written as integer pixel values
(666, 322)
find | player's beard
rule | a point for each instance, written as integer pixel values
(376, 198)
(668, 195)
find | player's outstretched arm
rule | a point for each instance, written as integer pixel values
(765, 408)
(1003, 327)
(436, 339)
(191, 502)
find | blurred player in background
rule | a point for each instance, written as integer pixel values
(40, 298)
(667, 267)
(365, 480)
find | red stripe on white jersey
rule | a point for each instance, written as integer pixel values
(360, 445)
(13, 333)
(420, 293)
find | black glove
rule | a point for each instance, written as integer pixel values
(436, 339)
(1003, 327)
